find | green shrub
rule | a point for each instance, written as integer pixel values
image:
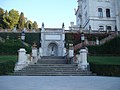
(105, 69)
(112, 47)
(29, 37)
(7, 67)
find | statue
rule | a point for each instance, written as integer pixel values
(14, 30)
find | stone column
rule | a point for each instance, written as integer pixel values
(22, 59)
(64, 52)
(40, 52)
(82, 61)
(71, 53)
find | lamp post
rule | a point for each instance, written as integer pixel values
(22, 38)
(82, 39)
(80, 28)
(82, 61)
(116, 31)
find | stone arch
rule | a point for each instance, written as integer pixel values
(52, 49)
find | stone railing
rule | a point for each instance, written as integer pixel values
(89, 43)
(19, 30)
(93, 43)
(110, 37)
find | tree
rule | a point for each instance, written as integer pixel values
(1, 17)
(21, 22)
(35, 25)
(15, 17)
(29, 24)
(7, 21)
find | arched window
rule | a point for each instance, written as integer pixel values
(108, 28)
(107, 12)
(101, 28)
(100, 12)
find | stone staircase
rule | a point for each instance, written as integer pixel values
(93, 43)
(52, 66)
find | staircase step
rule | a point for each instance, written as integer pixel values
(52, 57)
(52, 66)
(49, 61)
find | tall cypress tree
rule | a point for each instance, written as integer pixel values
(21, 22)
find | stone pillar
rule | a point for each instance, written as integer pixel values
(71, 54)
(22, 59)
(34, 53)
(71, 50)
(82, 61)
(40, 52)
(64, 52)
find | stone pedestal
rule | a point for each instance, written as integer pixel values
(71, 54)
(82, 61)
(22, 59)
(34, 55)
(71, 50)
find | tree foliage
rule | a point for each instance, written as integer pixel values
(29, 24)
(7, 21)
(1, 17)
(14, 14)
(11, 19)
(21, 22)
(35, 25)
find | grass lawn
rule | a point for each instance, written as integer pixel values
(8, 58)
(111, 60)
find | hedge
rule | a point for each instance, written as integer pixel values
(11, 47)
(7, 67)
(29, 37)
(112, 47)
(105, 69)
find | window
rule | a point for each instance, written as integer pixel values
(100, 12)
(108, 28)
(101, 28)
(107, 12)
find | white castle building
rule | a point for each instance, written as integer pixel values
(98, 15)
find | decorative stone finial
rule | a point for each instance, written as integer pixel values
(89, 27)
(34, 45)
(42, 24)
(63, 25)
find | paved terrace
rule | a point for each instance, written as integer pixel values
(59, 83)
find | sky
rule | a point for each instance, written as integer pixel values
(52, 12)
